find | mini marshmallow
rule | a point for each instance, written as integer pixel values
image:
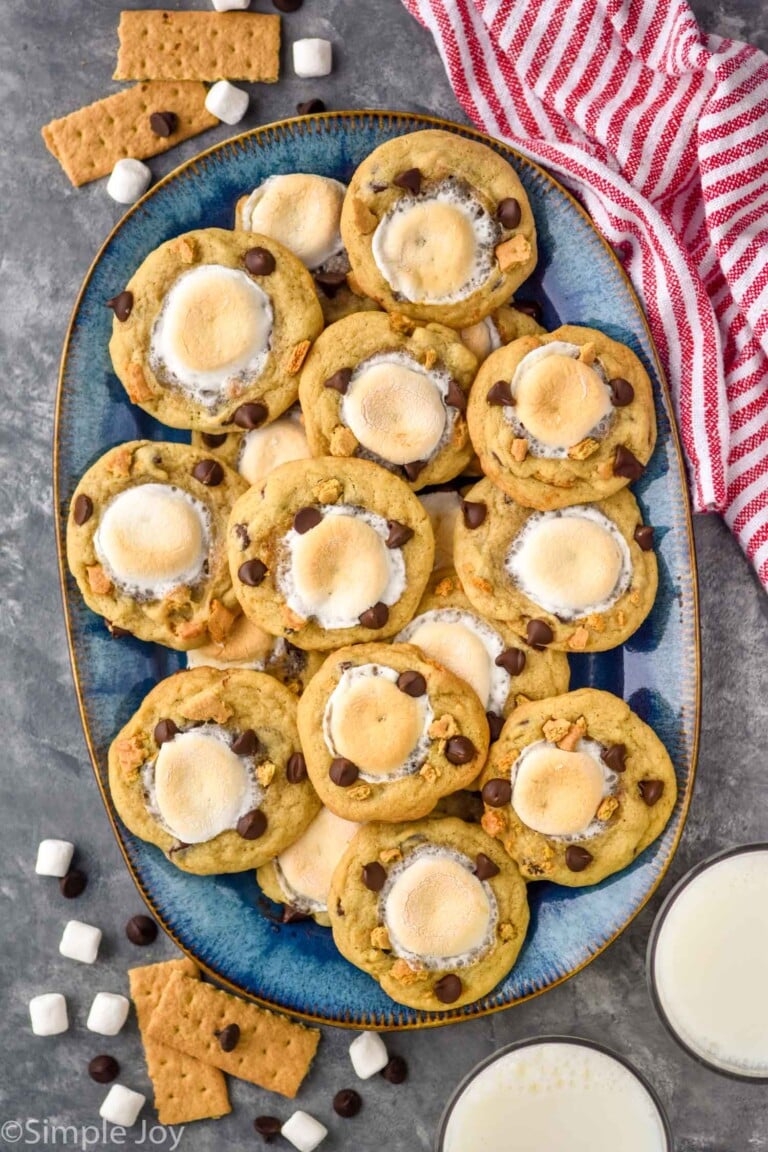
(80, 942)
(54, 857)
(368, 1054)
(48, 1014)
(109, 1011)
(129, 180)
(122, 1106)
(231, 5)
(303, 1131)
(226, 102)
(311, 57)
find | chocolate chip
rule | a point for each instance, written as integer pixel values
(293, 915)
(252, 573)
(163, 123)
(141, 931)
(250, 415)
(252, 825)
(412, 683)
(287, 5)
(73, 884)
(399, 534)
(495, 725)
(82, 509)
(455, 397)
(241, 531)
(228, 1037)
(307, 107)
(410, 180)
(643, 537)
(339, 382)
(497, 793)
(121, 305)
(395, 1070)
(306, 519)
(116, 632)
(615, 757)
(375, 617)
(499, 395)
(213, 439)
(622, 392)
(330, 282)
(577, 858)
(343, 772)
(296, 768)
(164, 730)
(268, 1127)
(347, 1103)
(651, 791)
(460, 750)
(259, 262)
(512, 660)
(528, 308)
(474, 512)
(246, 743)
(208, 472)
(414, 468)
(485, 869)
(538, 634)
(374, 876)
(448, 988)
(626, 464)
(508, 212)
(103, 1069)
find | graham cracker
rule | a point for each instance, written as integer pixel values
(186, 1089)
(88, 143)
(272, 1051)
(159, 45)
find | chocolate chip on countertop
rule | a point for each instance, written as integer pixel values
(410, 180)
(228, 1037)
(208, 472)
(395, 1070)
(339, 382)
(448, 988)
(375, 617)
(292, 915)
(268, 1127)
(250, 416)
(474, 512)
(399, 534)
(460, 750)
(306, 519)
(73, 884)
(455, 397)
(538, 634)
(343, 772)
(412, 683)
(252, 825)
(121, 305)
(512, 660)
(622, 392)
(651, 791)
(497, 792)
(163, 123)
(307, 107)
(82, 509)
(499, 395)
(213, 439)
(508, 212)
(495, 725)
(626, 464)
(485, 869)
(615, 757)
(246, 743)
(141, 931)
(347, 1103)
(252, 573)
(296, 768)
(103, 1069)
(577, 858)
(643, 537)
(164, 730)
(259, 262)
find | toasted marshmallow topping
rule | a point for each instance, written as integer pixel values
(482, 338)
(246, 646)
(341, 567)
(443, 509)
(301, 211)
(436, 910)
(199, 787)
(572, 562)
(466, 646)
(396, 408)
(435, 248)
(559, 400)
(152, 538)
(369, 721)
(212, 333)
(264, 449)
(558, 793)
(304, 871)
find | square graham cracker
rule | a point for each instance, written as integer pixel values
(88, 143)
(272, 1052)
(161, 45)
(186, 1089)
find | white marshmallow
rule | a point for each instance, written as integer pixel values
(303, 1131)
(54, 857)
(48, 1013)
(129, 180)
(231, 5)
(80, 942)
(226, 102)
(311, 57)
(109, 1011)
(368, 1054)
(122, 1106)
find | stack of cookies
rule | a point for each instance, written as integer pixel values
(403, 505)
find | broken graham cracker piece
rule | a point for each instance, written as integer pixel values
(88, 143)
(185, 1089)
(161, 45)
(272, 1051)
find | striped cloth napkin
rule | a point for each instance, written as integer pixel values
(662, 133)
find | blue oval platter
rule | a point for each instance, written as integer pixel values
(223, 922)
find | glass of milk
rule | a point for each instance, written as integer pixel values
(551, 1093)
(707, 962)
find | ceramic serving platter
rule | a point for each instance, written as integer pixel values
(223, 922)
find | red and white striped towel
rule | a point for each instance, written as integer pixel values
(662, 133)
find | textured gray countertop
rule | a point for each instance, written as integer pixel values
(56, 57)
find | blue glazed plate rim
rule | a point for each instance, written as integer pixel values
(313, 123)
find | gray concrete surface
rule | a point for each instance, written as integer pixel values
(55, 57)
